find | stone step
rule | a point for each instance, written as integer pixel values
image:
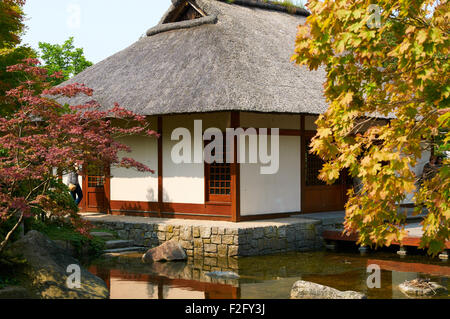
(103, 235)
(112, 244)
(125, 249)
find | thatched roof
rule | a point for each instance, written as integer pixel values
(236, 57)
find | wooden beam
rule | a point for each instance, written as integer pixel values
(302, 163)
(107, 189)
(235, 174)
(160, 165)
(281, 132)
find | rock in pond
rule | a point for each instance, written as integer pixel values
(421, 288)
(169, 251)
(47, 270)
(309, 290)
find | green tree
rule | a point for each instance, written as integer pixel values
(63, 58)
(398, 69)
(11, 52)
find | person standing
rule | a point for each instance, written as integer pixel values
(74, 186)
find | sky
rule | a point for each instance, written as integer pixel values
(100, 27)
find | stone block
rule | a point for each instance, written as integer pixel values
(281, 231)
(210, 248)
(227, 239)
(122, 234)
(258, 233)
(196, 232)
(186, 233)
(205, 232)
(198, 243)
(161, 236)
(216, 239)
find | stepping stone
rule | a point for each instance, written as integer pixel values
(125, 249)
(103, 235)
(112, 244)
(127, 254)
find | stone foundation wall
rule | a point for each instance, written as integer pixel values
(210, 241)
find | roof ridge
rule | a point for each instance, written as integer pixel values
(270, 5)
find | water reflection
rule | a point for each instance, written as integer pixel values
(264, 276)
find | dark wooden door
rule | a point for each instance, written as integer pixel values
(95, 188)
(317, 195)
(218, 177)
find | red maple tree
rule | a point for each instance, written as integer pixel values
(44, 139)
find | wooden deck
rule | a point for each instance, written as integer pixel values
(336, 235)
(436, 270)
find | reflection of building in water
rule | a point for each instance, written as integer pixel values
(130, 279)
(260, 277)
(123, 285)
(405, 271)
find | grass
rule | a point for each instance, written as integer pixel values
(5, 282)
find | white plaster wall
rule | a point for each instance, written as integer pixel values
(131, 185)
(184, 183)
(128, 289)
(277, 193)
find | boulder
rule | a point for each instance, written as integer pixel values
(16, 292)
(47, 270)
(65, 244)
(309, 290)
(169, 251)
(421, 288)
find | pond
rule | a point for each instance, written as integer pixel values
(265, 277)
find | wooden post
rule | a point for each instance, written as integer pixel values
(235, 174)
(160, 165)
(302, 162)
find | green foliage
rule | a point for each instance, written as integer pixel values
(6, 226)
(57, 230)
(11, 28)
(10, 268)
(8, 281)
(11, 23)
(398, 70)
(63, 58)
